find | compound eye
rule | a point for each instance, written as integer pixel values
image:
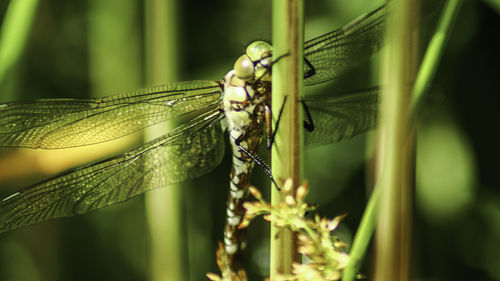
(243, 68)
(258, 50)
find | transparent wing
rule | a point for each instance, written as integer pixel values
(341, 50)
(337, 118)
(61, 123)
(188, 151)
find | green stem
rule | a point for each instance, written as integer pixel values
(363, 236)
(424, 77)
(13, 33)
(110, 29)
(396, 145)
(288, 39)
(433, 54)
(163, 206)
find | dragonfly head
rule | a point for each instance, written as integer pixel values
(256, 63)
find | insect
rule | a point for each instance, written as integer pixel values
(194, 147)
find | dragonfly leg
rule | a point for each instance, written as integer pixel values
(272, 134)
(268, 115)
(268, 68)
(311, 71)
(280, 57)
(309, 123)
(259, 162)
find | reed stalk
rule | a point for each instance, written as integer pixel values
(14, 31)
(424, 79)
(288, 38)
(163, 206)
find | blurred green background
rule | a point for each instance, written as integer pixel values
(88, 48)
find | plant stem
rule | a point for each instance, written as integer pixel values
(425, 76)
(112, 28)
(13, 33)
(396, 146)
(163, 206)
(288, 38)
(433, 54)
(363, 235)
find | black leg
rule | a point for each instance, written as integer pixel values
(273, 134)
(260, 163)
(311, 71)
(278, 58)
(309, 123)
(273, 62)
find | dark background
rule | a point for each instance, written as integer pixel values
(456, 230)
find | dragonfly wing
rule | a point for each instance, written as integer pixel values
(188, 151)
(61, 123)
(337, 118)
(341, 50)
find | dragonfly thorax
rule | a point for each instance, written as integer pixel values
(239, 103)
(247, 89)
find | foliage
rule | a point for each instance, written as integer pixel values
(325, 253)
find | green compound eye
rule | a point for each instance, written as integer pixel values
(258, 50)
(244, 68)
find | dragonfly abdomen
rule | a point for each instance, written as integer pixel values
(234, 238)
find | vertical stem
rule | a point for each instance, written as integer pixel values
(163, 205)
(112, 27)
(396, 148)
(114, 65)
(13, 33)
(433, 54)
(288, 38)
(424, 78)
(363, 235)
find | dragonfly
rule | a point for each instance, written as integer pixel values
(241, 99)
